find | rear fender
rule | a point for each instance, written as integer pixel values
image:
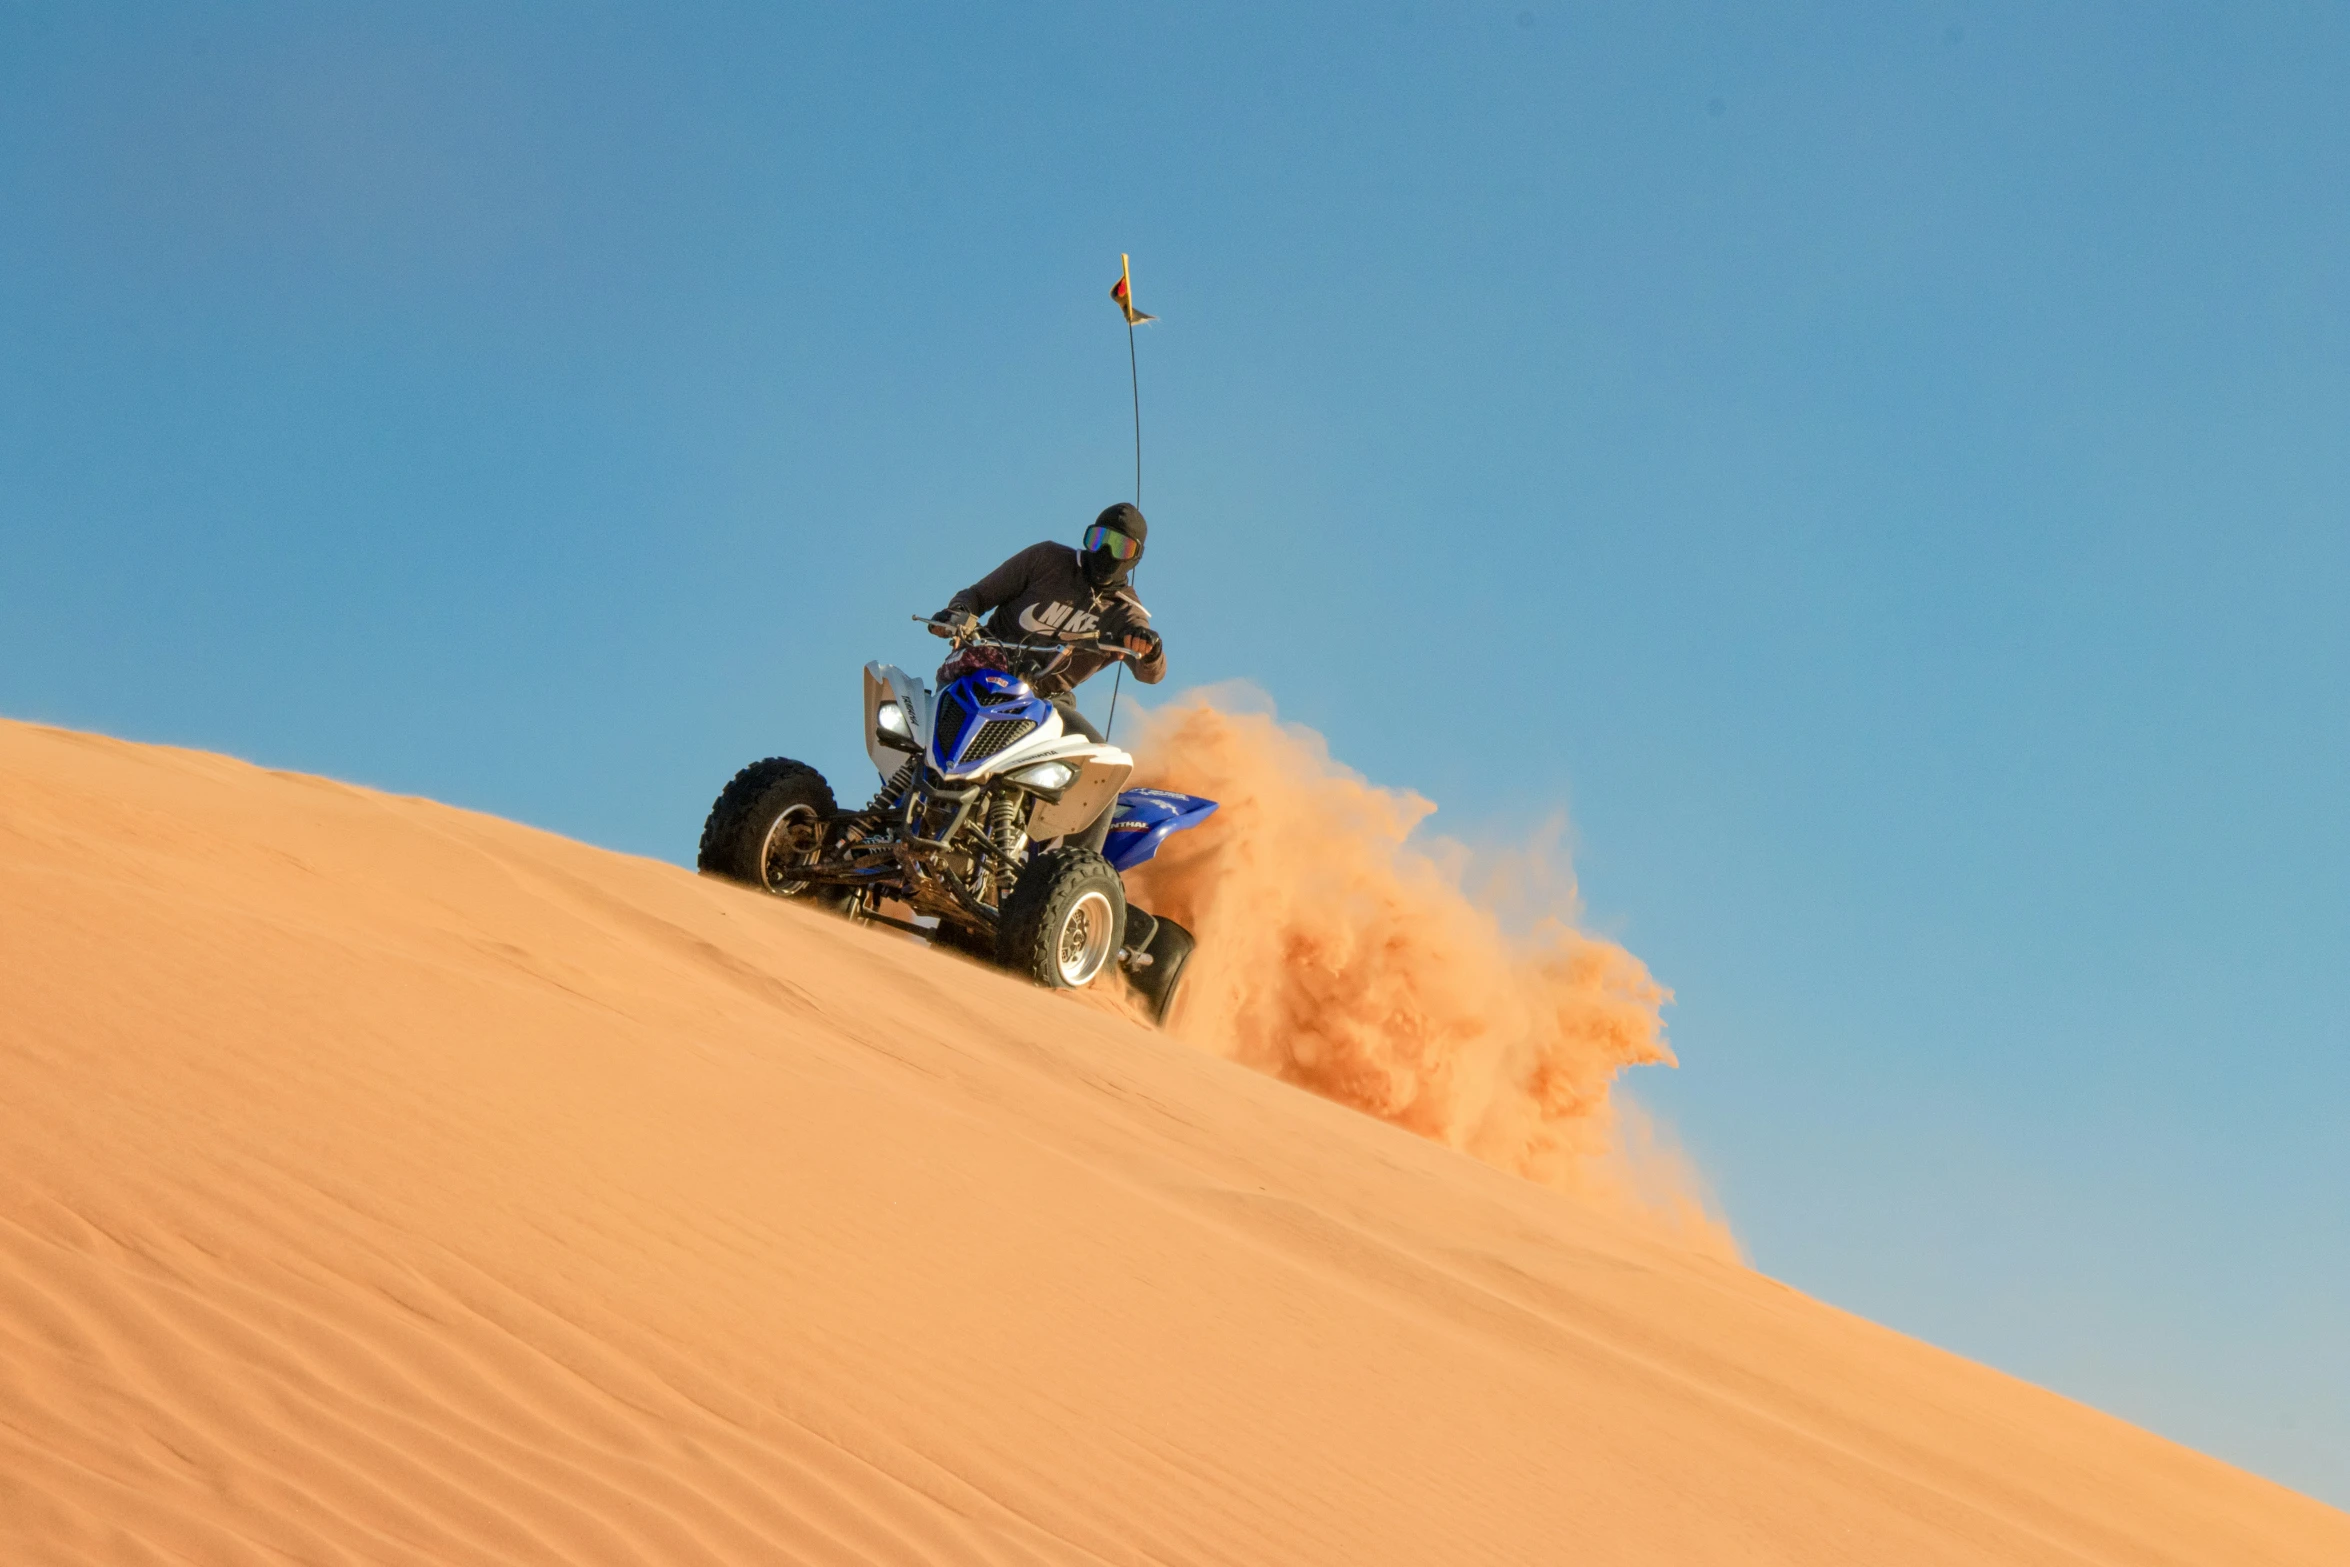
(1146, 819)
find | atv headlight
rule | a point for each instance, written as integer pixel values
(1051, 777)
(889, 724)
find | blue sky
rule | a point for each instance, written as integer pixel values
(1880, 469)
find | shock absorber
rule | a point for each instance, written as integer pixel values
(887, 796)
(1003, 831)
(866, 900)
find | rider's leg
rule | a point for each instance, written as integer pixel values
(1072, 721)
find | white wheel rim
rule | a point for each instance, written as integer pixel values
(793, 817)
(1084, 942)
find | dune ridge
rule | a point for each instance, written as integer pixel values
(384, 1182)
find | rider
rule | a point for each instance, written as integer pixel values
(1050, 594)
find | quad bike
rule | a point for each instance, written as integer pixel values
(1006, 833)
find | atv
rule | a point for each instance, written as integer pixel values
(989, 831)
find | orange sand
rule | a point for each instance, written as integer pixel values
(1344, 952)
(385, 1183)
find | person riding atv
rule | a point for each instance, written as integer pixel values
(998, 803)
(1050, 594)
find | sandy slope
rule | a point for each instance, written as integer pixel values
(380, 1182)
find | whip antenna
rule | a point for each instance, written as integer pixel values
(1134, 380)
(1122, 292)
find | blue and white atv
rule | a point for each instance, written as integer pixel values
(989, 830)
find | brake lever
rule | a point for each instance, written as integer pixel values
(956, 636)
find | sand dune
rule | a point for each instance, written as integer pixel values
(381, 1182)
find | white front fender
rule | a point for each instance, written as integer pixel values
(888, 683)
(1101, 772)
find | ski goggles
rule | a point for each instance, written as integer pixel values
(1103, 537)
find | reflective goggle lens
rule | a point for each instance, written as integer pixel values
(1101, 537)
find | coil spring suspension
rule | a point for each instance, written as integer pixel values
(885, 800)
(887, 796)
(1003, 830)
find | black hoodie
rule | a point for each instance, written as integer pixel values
(1041, 596)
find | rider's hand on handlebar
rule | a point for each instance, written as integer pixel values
(953, 623)
(1126, 632)
(1139, 643)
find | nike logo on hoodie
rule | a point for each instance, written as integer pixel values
(1057, 620)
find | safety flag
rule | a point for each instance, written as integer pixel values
(1123, 292)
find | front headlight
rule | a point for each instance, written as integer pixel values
(890, 727)
(1051, 777)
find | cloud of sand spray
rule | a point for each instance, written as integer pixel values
(1340, 952)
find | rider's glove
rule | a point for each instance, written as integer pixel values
(953, 623)
(1127, 628)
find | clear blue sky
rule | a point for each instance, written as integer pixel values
(1880, 468)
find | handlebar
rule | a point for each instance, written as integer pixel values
(957, 637)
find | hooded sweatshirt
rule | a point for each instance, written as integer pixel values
(1041, 596)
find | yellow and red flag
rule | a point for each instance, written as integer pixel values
(1123, 292)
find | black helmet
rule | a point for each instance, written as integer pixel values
(1113, 544)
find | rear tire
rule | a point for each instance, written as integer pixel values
(1061, 925)
(769, 817)
(1168, 949)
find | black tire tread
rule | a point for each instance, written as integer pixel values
(1022, 917)
(723, 851)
